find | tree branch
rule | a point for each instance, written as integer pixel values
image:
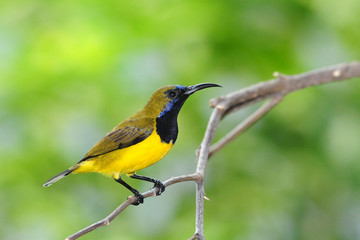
(200, 169)
(285, 84)
(152, 193)
(275, 90)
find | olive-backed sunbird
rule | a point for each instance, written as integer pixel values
(138, 142)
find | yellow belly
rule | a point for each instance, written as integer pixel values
(128, 160)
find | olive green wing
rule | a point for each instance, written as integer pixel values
(126, 134)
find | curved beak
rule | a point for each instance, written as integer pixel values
(191, 89)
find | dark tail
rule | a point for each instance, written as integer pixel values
(59, 176)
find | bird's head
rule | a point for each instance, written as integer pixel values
(171, 98)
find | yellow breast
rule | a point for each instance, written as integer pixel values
(128, 160)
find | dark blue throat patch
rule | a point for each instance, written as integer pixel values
(167, 127)
(166, 122)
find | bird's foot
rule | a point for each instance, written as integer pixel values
(160, 185)
(140, 199)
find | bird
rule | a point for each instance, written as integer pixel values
(139, 141)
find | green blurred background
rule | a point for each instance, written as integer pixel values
(71, 70)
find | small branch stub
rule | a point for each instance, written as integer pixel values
(337, 73)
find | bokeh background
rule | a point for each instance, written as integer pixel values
(71, 70)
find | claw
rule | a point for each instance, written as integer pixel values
(140, 199)
(161, 187)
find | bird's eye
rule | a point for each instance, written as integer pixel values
(172, 94)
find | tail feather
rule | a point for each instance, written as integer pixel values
(59, 176)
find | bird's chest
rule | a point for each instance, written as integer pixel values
(134, 158)
(167, 128)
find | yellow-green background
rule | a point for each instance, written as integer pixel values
(71, 70)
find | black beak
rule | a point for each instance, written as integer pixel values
(191, 89)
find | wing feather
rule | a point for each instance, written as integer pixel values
(126, 134)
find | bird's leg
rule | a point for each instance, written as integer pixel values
(157, 183)
(140, 197)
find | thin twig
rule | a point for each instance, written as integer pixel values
(248, 122)
(200, 169)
